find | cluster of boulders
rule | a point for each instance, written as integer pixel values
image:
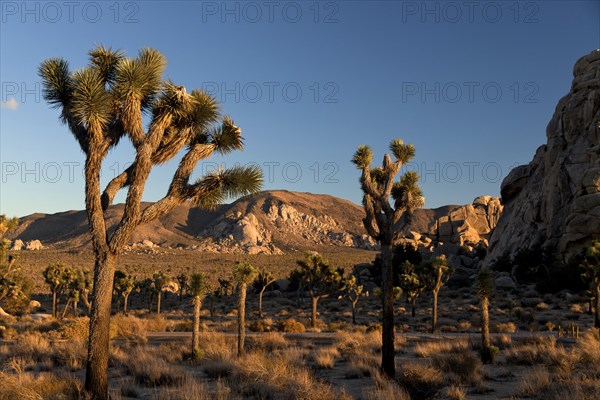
(30, 245)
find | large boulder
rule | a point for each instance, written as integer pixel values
(34, 245)
(17, 245)
(554, 201)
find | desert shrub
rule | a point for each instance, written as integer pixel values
(218, 369)
(387, 390)
(507, 327)
(374, 328)
(76, 329)
(43, 386)
(261, 325)
(422, 381)
(191, 389)
(488, 354)
(455, 393)
(462, 366)
(534, 382)
(588, 347)
(324, 358)
(129, 327)
(217, 346)
(290, 325)
(269, 342)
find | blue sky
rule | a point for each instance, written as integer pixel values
(471, 84)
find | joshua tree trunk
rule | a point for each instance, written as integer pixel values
(485, 323)
(86, 302)
(597, 312)
(196, 328)
(96, 379)
(212, 307)
(387, 333)
(313, 315)
(64, 313)
(354, 312)
(413, 307)
(54, 303)
(260, 296)
(434, 323)
(158, 297)
(241, 318)
(125, 298)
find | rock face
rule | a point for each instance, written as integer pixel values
(34, 245)
(470, 224)
(554, 201)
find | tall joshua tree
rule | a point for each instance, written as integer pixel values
(379, 187)
(198, 290)
(484, 285)
(243, 273)
(104, 103)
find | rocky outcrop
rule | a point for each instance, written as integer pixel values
(467, 225)
(554, 201)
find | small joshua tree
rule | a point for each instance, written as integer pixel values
(319, 278)
(78, 288)
(353, 291)
(379, 188)
(198, 290)
(262, 281)
(412, 283)
(243, 274)
(436, 273)
(484, 285)
(124, 285)
(590, 267)
(57, 277)
(160, 282)
(182, 280)
(13, 287)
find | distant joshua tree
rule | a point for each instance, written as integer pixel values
(198, 291)
(262, 281)
(379, 188)
(160, 282)
(124, 285)
(182, 280)
(243, 274)
(412, 282)
(319, 278)
(590, 267)
(57, 277)
(484, 285)
(437, 274)
(104, 103)
(353, 291)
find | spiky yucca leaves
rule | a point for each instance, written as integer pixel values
(103, 103)
(379, 188)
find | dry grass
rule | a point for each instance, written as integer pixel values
(421, 380)
(462, 367)
(506, 327)
(455, 393)
(324, 358)
(432, 348)
(26, 386)
(150, 370)
(535, 381)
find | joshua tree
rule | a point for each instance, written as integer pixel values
(104, 103)
(484, 285)
(197, 290)
(182, 279)
(437, 274)
(590, 267)
(12, 284)
(243, 273)
(319, 278)
(263, 279)
(57, 277)
(124, 285)
(412, 283)
(378, 187)
(353, 291)
(7, 224)
(160, 282)
(78, 286)
(224, 286)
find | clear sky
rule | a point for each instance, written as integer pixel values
(472, 84)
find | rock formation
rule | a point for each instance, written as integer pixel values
(554, 201)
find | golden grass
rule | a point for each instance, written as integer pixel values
(325, 357)
(462, 367)
(535, 381)
(26, 386)
(431, 348)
